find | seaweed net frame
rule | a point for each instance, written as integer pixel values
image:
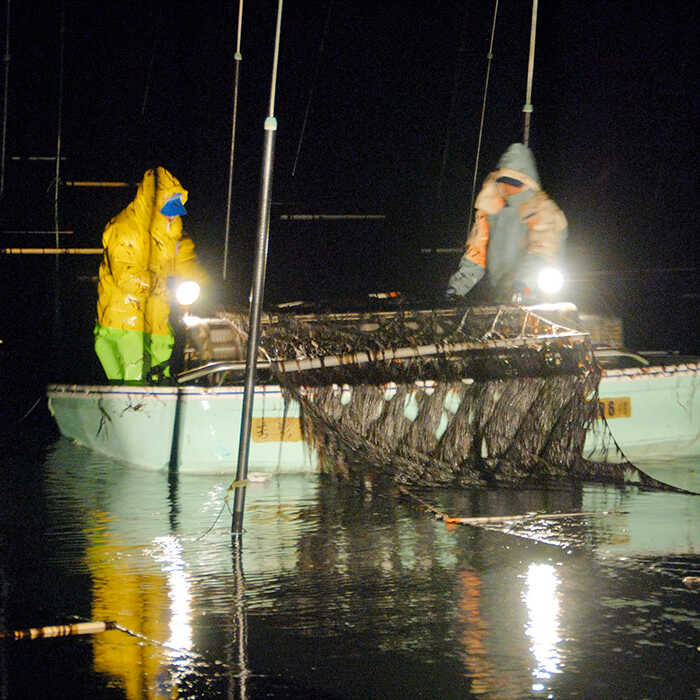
(513, 406)
(490, 396)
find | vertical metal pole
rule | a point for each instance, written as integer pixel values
(6, 59)
(258, 287)
(527, 108)
(238, 57)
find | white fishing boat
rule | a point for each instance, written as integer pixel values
(649, 403)
(194, 426)
(193, 429)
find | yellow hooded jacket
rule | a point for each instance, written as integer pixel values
(143, 248)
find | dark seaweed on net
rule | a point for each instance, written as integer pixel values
(500, 413)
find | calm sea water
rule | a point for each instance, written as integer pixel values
(340, 592)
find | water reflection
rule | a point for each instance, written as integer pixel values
(238, 650)
(178, 580)
(137, 601)
(474, 632)
(358, 594)
(542, 601)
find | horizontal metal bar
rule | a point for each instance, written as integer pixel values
(216, 368)
(332, 217)
(91, 183)
(52, 251)
(366, 357)
(46, 158)
(52, 232)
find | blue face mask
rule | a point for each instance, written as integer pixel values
(173, 207)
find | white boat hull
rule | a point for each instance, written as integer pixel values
(193, 429)
(196, 429)
(663, 416)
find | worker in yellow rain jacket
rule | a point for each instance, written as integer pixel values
(144, 249)
(518, 232)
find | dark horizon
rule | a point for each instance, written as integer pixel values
(389, 112)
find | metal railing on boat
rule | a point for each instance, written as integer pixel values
(386, 355)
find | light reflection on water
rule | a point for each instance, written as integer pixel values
(542, 604)
(179, 592)
(338, 592)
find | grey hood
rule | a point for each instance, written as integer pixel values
(519, 159)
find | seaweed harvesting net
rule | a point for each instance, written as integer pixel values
(503, 396)
(488, 396)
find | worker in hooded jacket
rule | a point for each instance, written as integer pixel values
(143, 249)
(518, 230)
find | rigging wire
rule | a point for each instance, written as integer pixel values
(321, 49)
(149, 75)
(453, 102)
(59, 124)
(6, 60)
(57, 179)
(489, 57)
(238, 57)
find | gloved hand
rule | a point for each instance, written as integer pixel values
(451, 297)
(522, 294)
(450, 293)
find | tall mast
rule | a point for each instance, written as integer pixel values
(527, 107)
(258, 287)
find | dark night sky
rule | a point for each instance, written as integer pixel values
(392, 128)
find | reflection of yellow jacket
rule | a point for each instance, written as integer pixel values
(143, 248)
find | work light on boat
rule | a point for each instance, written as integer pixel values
(187, 293)
(550, 280)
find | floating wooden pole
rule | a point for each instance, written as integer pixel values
(486, 519)
(59, 630)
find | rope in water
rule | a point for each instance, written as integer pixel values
(488, 519)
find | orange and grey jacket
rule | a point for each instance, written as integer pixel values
(517, 229)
